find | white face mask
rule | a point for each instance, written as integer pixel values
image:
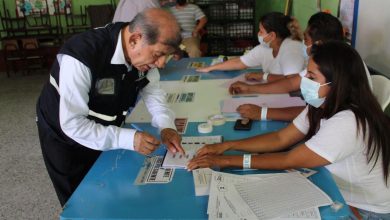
(309, 90)
(262, 42)
(305, 48)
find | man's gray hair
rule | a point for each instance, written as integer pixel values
(151, 31)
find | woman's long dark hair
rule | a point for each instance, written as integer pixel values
(342, 65)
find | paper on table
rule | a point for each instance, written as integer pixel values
(281, 195)
(306, 214)
(220, 204)
(226, 203)
(190, 146)
(271, 101)
(224, 200)
(202, 178)
(240, 78)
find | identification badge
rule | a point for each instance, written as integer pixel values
(105, 86)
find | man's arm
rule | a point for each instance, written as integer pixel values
(162, 117)
(201, 23)
(74, 86)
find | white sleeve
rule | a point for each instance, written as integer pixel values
(155, 100)
(74, 86)
(337, 137)
(292, 60)
(301, 122)
(254, 57)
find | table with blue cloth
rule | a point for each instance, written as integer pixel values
(108, 190)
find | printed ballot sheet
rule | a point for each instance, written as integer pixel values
(280, 195)
(190, 145)
(202, 179)
(151, 172)
(227, 202)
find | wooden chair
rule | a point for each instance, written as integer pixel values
(33, 57)
(12, 55)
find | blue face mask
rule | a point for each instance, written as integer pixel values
(309, 90)
(262, 42)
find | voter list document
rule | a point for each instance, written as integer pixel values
(190, 145)
(264, 196)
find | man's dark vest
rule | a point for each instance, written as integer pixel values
(113, 88)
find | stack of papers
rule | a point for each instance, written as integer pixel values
(264, 196)
(190, 145)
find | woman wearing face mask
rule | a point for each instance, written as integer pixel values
(321, 27)
(343, 128)
(279, 53)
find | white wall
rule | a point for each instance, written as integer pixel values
(373, 34)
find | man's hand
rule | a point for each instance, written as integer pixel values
(250, 111)
(172, 140)
(254, 76)
(239, 88)
(145, 143)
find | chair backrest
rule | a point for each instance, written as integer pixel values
(381, 89)
(10, 45)
(30, 43)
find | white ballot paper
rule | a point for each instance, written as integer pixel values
(228, 198)
(202, 179)
(190, 145)
(280, 195)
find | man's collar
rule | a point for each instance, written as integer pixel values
(119, 56)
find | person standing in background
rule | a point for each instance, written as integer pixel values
(188, 15)
(128, 9)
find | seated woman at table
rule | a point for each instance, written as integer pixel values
(321, 27)
(343, 129)
(279, 53)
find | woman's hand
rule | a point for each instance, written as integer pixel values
(208, 160)
(250, 111)
(254, 76)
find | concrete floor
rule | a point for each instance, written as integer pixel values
(26, 191)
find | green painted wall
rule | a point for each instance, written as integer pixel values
(75, 4)
(301, 9)
(10, 5)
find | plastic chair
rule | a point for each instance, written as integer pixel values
(381, 90)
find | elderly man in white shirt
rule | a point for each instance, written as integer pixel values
(97, 76)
